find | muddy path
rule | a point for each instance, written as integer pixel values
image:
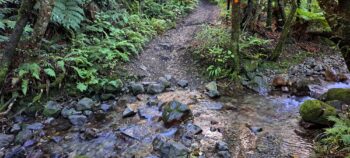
(167, 54)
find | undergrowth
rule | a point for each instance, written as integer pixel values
(97, 47)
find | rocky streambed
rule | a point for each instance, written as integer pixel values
(162, 119)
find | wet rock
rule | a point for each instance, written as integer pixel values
(149, 112)
(52, 109)
(224, 154)
(130, 110)
(66, 112)
(192, 129)
(212, 90)
(337, 94)
(84, 104)
(23, 136)
(175, 112)
(35, 126)
(301, 88)
(99, 115)
(5, 140)
(137, 88)
(174, 150)
(137, 132)
(153, 101)
(337, 104)
(164, 82)
(57, 139)
(257, 83)
(88, 113)
(316, 111)
(221, 146)
(107, 96)
(330, 75)
(155, 88)
(279, 81)
(138, 150)
(169, 133)
(159, 142)
(36, 154)
(29, 143)
(78, 120)
(16, 152)
(342, 77)
(15, 128)
(106, 107)
(182, 83)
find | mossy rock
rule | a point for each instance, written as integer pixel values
(340, 94)
(316, 111)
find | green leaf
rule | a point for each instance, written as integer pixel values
(82, 87)
(346, 139)
(61, 65)
(50, 72)
(25, 86)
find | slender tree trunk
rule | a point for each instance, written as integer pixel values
(286, 29)
(10, 48)
(42, 21)
(235, 34)
(269, 15)
(281, 15)
(249, 14)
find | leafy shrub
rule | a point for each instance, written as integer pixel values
(68, 13)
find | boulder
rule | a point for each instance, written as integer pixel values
(279, 81)
(340, 94)
(174, 150)
(84, 104)
(316, 111)
(5, 140)
(182, 83)
(330, 75)
(212, 90)
(301, 88)
(137, 88)
(164, 82)
(130, 110)
(78, 120)
(175, 112)
(342, 77)
(155, 88)
(52, 109)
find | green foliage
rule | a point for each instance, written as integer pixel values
(313, 14)
(337, 138)
(68, 13)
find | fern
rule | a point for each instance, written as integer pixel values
(68, 13)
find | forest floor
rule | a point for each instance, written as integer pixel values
(241, 125)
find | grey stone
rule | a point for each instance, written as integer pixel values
(66, 112)
(5, 140)
(212, 90)
(155, 88)
(78, 120)
(129, 111)
(175, 112)
(35, 126)
(137, 132)
(88, 113)
(168, 77)
(164, 82)
(182, 83)
(192, 129)
(221, 146)
(23, 136)
(107, 96)
(137, 88)
(15, 128)
(106, 107)
(224, 154)
(52, 109)
(174, 150)
(84, 104)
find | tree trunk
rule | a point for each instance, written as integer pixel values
(235, 34)
(42, 21)
(249, 14)
(286, 29)
(280, 15)
(269, 15)
(10, 48)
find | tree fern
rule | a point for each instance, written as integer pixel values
(68, 13)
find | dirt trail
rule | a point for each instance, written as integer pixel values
(167, 54)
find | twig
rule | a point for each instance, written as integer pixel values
(10, 102)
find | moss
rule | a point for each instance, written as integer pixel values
(340, 94)
(317, 112)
